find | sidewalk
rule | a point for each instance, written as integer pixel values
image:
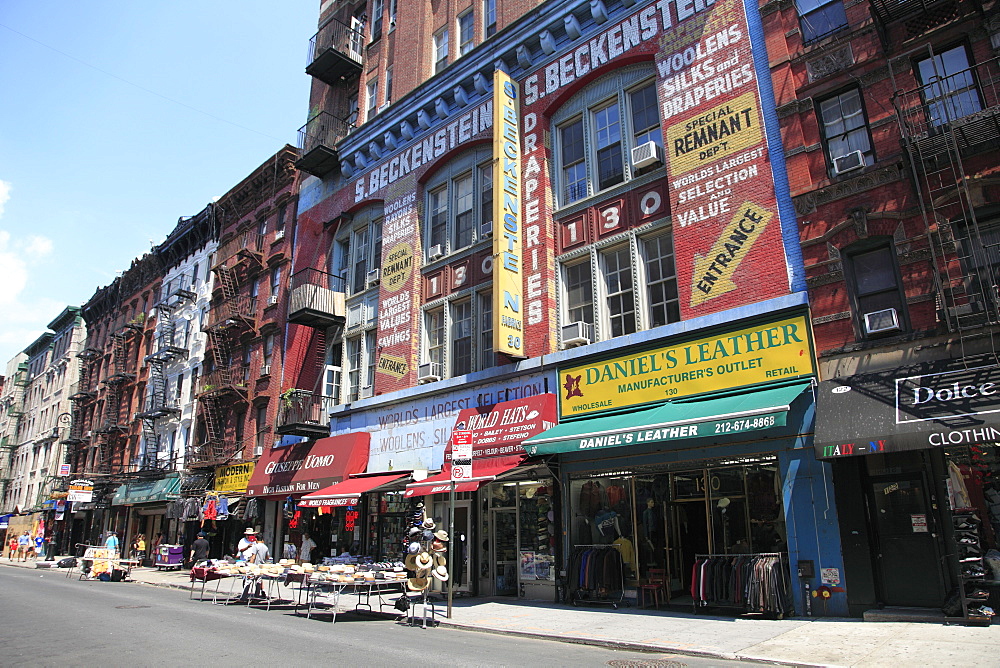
(800, 641)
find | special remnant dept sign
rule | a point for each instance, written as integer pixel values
(741, 358)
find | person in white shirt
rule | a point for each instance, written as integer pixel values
(243, 548)
(305, 550)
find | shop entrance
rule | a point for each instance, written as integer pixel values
(518, 527)
(504, 551)
(906, 552)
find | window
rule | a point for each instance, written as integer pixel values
(440, 50)
(179, 389)
(873, 279)
(844, 126)
(275, 281)
(487, 358)
(388, 85)
(194, 383)
(268, 349)
(352, 111)
(279, 223)
(465, 33)
(360, 364)
(377, 7)
(635, 284)
(261, 421)
(262, 227)
(455, 220)
(435, 336)
(392, 14)
(194, 275)
(254, 291)
(489, 17)
(819, 18)
(949, 86)
(597, 129)
(979, 254)
(356, 256)
(461, 338)
(372, 99)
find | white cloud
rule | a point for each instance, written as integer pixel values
(23, 317)
(4, 194)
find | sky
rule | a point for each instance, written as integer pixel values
(116, 119)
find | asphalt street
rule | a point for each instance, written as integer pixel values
(49, 620)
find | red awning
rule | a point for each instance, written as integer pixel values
(484, 470)
(308, 467)
(348, 493)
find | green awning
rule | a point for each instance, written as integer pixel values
(147, 491)
(752, 411)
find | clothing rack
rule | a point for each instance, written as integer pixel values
(597, 575)
(754, 581)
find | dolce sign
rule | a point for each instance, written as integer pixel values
(947, 395)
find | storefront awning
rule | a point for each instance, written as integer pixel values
(483, 471)
(679, 421)
(909, 408)
(5, 520)
(348, 492)
(309, 466)
(147, 491)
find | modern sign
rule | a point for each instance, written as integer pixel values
(81, 490)
(927, 406)
(461, 455)
(759, 354)
(65, 469)
(233, 478)
(508, 318)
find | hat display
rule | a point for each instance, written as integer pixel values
(411, 562)
(440, 559)
(428, 523)
(414, 531)
(441, 573)
(424, 560)
(441, 534)
(438, 546)
(428, 534)
(249, 532)
(416, 584)
(414, 547)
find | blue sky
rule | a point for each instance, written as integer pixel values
(117, 118)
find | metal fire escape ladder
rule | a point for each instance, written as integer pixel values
(937, 133)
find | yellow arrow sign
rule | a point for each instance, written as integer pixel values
(713, 273)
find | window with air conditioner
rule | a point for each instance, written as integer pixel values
(459, 203)
(607, 134)
(876, 292)
(845, 132)
(636, 289)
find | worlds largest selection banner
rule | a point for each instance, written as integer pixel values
(727, 236)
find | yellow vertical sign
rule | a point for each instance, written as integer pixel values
(508, 300)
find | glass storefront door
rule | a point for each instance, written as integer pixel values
(504, 551)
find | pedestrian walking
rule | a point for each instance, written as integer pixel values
(23, 544)
(112, 542)
(199, 548)
(12, 548)
(139, 548)
(39, 546)
(308, 545)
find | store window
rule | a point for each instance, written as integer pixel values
(519, 532)
(819, 18)
(660, 518)
(950, 91)
(597, 130)
(875, 287)
(845, 131)
(460, 204)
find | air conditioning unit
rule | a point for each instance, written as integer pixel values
(88, 434)
(428, 373)
(877, 322)
(365, 392)
(851, 162)
(577, 334)
(382, 107)
(372, 278)
(486, 230)
(435, 251)
(265, 370)
(272, 300)
(258, 450)
(279, 235)
(646, 154)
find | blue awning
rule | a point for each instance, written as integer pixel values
(147, 491)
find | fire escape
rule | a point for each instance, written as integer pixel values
(9, 442)
(950, 127)
(82, 395)
(110, 456)
(231, 318)
(160, 404)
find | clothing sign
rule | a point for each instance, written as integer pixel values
(741, 358)
(461, 455)
(309, 466)
(233, 478)
(931, 405)
(81, 490)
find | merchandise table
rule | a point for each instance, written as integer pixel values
(206, 575)
(331, 591)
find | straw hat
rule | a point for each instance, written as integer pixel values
(416, 584)
(438, 546)
(411, 562)
(428, 523)
(424, 560)
(441, 535)
(440, 573)
(440, 559)
(249, 532)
